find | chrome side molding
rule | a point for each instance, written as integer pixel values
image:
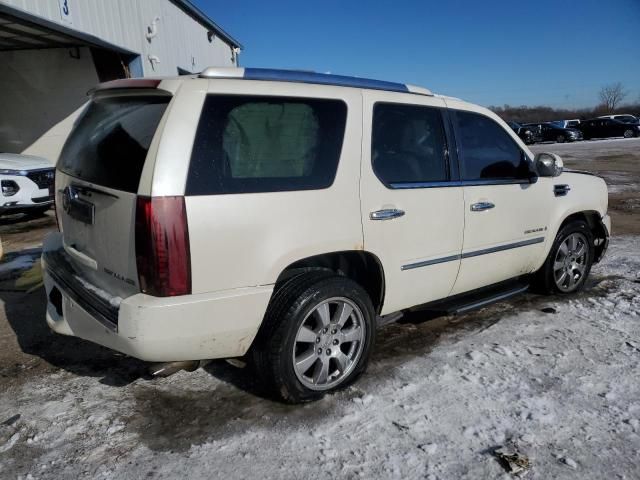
(475, 253)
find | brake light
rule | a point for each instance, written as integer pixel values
(162, 246)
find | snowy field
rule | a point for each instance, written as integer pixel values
(557, 378)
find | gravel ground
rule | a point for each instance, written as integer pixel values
(555, 378)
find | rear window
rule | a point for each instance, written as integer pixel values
(249, 144)
(110, 141)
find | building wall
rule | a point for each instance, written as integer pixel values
(38, 88)
(181, 41)
(41, 91)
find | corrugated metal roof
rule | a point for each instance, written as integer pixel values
(200, 16)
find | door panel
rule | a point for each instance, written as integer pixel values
(419, 246)
(516, 227)
(505, 215)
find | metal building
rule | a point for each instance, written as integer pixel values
(53, 51)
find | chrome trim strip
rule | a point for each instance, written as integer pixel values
(457, 183)
(486, 251)
(501, 248)
(426, 263)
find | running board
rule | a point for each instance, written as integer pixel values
(461, 303)
(498, 297)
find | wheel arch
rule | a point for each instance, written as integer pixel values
(361, 266)
(594, 220)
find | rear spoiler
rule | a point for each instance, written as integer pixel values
(128, 84)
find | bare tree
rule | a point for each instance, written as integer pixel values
(611, 95)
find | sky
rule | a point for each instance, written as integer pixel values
(492, 52)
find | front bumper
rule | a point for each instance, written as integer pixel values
(603, 238)
(30, 196)
(190, 327)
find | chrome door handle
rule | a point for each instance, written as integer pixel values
(481, 206)
(386, 214)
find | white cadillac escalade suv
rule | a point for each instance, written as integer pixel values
(282, 216)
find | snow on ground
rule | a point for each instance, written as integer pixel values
(438, 399)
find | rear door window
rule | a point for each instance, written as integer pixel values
(109, 144)
(486, 150)
(408, 144)
(250, 144)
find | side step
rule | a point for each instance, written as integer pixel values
(468, 301)
(482, 302)
(461, 303)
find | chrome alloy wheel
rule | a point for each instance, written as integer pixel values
(329, 343)
(570, 264)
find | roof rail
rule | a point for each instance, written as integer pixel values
(301, 76)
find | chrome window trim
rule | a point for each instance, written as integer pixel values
(476, 253)
(459, 183)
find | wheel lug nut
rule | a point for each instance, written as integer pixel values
(328, 351)
(317, 339)
(336, 341)
(333, 332)
(319, 351)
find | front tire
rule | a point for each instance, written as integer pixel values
(317, 337)
(628, 133)
(560, 139)
(569, 262)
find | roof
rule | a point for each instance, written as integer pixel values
(301, 76)
(200, 16)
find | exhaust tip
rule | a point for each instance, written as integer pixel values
(166, 369)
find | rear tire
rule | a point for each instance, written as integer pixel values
(569, 262)
(560, 139)
(317, 337)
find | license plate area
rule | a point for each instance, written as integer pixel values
(76, 207)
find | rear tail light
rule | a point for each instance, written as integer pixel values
(162, 246)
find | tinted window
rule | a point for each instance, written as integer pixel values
(408, 144)
(250, 144)
(486, 150)
(109, 143)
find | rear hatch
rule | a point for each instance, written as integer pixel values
(97, 180)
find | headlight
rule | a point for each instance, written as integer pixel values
(6, 171)
(9, 188)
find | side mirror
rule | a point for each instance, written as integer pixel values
(548, 164)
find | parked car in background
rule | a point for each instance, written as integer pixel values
(607, 127)
(527, 134)
(624, 118)
(549, 132)
(27, 184)
(566, 123)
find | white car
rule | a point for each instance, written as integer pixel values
(624, 118)
(27, 184)
(282, 216)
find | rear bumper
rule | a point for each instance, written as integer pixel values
(191, 327)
